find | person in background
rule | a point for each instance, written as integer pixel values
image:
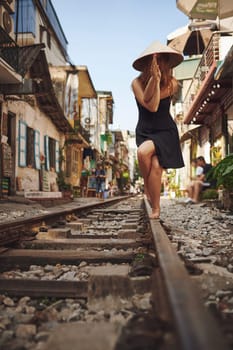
(83, 182)
(198, 173)
(157, 136)
(118, 174)
(110, 189)
(201, 182)
(100, 181)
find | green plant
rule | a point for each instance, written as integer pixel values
(62, 185)
(139, 257)
(223, 173)
(210, 193)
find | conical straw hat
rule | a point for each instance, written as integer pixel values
(175, 57)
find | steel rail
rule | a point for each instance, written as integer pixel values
(11, 231)
(195, 326)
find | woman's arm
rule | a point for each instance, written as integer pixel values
(153, 103)
(150, 96)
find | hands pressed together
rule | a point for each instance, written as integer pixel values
(155, 70)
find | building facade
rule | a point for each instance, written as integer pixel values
(53, 121)
(206, 104)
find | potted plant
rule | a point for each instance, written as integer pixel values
(223, 174)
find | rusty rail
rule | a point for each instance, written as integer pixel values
(196, 328)
(11, 231)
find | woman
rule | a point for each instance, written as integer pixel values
(156, 132)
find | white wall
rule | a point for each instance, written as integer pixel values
(36, 120)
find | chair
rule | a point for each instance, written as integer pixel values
(91, 186)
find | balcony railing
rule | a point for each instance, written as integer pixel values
(211, 55)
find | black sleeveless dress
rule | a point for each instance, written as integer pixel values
(162, 130)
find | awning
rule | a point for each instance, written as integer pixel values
(225, 68)
(45, 94)
(208, 98)
(33, 59)
(86, 87)
(189, 133)
(15, 62)
(202, 92)
(77, 139)
(7, 74)
(20, 58)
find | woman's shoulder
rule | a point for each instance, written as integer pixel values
(135, 83)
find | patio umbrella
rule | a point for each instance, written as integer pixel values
(206, 9)
(193, 38)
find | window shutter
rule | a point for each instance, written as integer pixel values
(46, 152)
(57, 157)
(68, 161)
(37, 148)
(22, 143)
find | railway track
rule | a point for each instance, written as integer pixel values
(104, 276)
(12, 230)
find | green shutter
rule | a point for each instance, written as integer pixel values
(37, 148)
(22, 144)
(46, 152)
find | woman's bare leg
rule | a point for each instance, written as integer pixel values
(152, 174)
(154, 186)
(145, 152)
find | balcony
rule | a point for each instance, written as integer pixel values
(204, 92)
(79, 136)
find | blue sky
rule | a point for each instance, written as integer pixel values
(107, 36)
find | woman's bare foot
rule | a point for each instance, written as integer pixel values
(155, 214)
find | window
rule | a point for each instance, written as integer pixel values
(45, 36)
(29, 146)
(72, 157)
(51, 153)
(30, 161)
(26, 17)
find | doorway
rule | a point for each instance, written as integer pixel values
(8, 154)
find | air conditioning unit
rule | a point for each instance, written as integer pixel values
(9, 5)
(6, 21)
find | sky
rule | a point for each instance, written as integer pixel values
(107, 36)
